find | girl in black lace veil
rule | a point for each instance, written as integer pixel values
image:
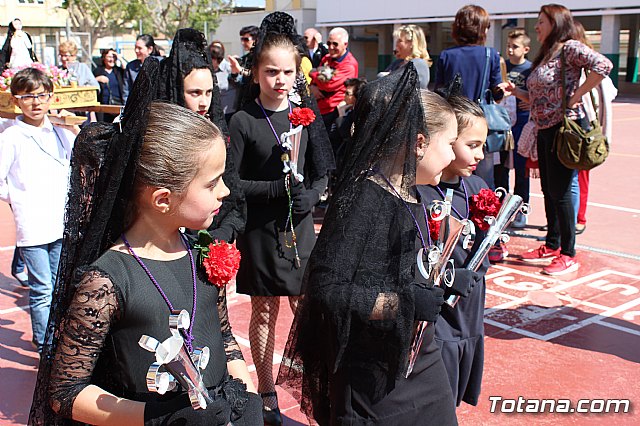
(348, 347)
(92, 369)
(189, 55)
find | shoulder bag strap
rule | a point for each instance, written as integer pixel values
(564, 82)
(563, 65)
(482, 97)
(593, 100)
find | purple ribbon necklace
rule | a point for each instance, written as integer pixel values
(415, 221)
(271, 124)
(187, 334)
(287, 183)
(466, 199)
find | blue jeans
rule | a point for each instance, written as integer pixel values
(42, 265)
(17, 264)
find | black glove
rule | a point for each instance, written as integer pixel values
(178, 412)
(277, 189)
(222, 233)
(428, 301)
(304, 201)
(464, 281)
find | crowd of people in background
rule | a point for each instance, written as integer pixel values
(374, 154)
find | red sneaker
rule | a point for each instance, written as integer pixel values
(561, 265)
(540, 255)
(498, 253)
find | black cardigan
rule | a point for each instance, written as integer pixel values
(104, 87)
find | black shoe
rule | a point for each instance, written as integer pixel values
(271, 416)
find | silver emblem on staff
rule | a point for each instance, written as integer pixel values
(174, 364)
(511, 204)
(438, 259)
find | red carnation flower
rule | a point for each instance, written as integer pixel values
(302, 116)
(434, 229)
(221, 263)
(484, 203)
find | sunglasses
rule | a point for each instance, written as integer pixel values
(333, 43)
(245, 39)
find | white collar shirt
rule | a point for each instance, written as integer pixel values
(34, 179)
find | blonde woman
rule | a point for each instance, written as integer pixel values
(411, 45)
(68, 53)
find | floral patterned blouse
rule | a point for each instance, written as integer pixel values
(545, 82)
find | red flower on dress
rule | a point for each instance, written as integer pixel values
(484, 203)
(434, 229)
(221, 263)
(302, 116)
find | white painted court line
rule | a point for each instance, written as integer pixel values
(592, 204)
(7, 248)
(590, 320)
(513, 329)
(596, 277)
(618, 327)
(14, 309)
(503, 295)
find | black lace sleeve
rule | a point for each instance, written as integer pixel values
(83, 330)
(231, 348)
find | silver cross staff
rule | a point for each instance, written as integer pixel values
(174, 364)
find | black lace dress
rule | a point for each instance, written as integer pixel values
(460, 330)
(267, 266)
(113, 306)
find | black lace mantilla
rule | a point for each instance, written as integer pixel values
(358, 304)
(86, 304)
(188, 52)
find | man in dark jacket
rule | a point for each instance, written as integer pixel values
(317, 49)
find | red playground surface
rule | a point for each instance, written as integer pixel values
(574, 339)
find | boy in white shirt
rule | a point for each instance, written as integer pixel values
(34, 173)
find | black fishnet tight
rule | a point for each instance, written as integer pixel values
(262, 336)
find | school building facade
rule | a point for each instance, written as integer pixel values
(612, 26)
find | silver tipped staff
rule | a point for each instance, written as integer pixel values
(511, 205)
(438, 259)
(174, 364)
